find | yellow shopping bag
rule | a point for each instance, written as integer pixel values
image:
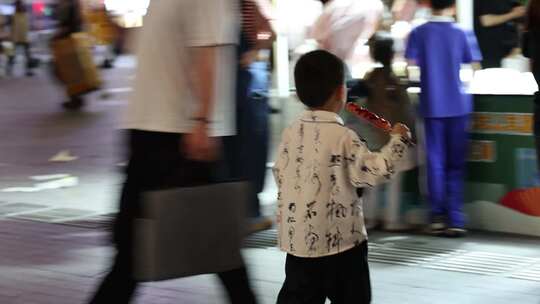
(101, 27)
(75, 65)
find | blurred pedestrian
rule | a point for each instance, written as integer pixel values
(247, 152)
(343, 23)
(3, 35)
(531, 40)
(531, 49)
(387, 98)
(70, 22)
(104, 31)
(439, 48)
(20, 28)
(497, 29)
(404, 10)
(181, 106)
(69, 18)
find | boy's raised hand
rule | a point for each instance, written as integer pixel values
(519, 11)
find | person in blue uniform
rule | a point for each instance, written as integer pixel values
(439, 47)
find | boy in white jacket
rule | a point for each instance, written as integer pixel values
(319, 166)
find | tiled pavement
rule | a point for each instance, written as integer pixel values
(44, 263)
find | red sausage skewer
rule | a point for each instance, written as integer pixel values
(372, 118)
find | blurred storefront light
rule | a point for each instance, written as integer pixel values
(130, 13)
(6, 9)
(122, 6)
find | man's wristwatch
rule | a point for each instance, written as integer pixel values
(203, 120)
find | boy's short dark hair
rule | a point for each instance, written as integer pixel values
(442, 4)
(317, 76)
(381, 46)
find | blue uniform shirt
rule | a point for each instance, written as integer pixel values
(439, 47)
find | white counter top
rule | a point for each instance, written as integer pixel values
(498, 82)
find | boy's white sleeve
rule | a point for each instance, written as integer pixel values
(366, 168)
(280, 165)
(277, 163)
(282, 158)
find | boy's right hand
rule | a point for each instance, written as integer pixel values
(401, 129)
(519, 11)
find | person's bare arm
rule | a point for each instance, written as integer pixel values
(494, 20)
(203, 71)
(202, 67)
(397, 7)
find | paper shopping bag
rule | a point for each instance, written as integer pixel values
(75, 65)
(189, 231)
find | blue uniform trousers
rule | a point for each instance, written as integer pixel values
(446, 148)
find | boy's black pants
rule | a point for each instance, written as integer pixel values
(343, 278)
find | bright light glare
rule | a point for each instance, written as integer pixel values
(138, 7)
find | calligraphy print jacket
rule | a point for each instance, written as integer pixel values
(319, 166)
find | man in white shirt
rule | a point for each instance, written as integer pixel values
(182, 103)
(180, 37)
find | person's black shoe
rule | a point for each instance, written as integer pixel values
(75, 104)
(437, 227)
(274, 110)
(9, 71)
(455, 232)
(107, 64)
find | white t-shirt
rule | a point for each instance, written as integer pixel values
(162, 100)
(344, 22)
